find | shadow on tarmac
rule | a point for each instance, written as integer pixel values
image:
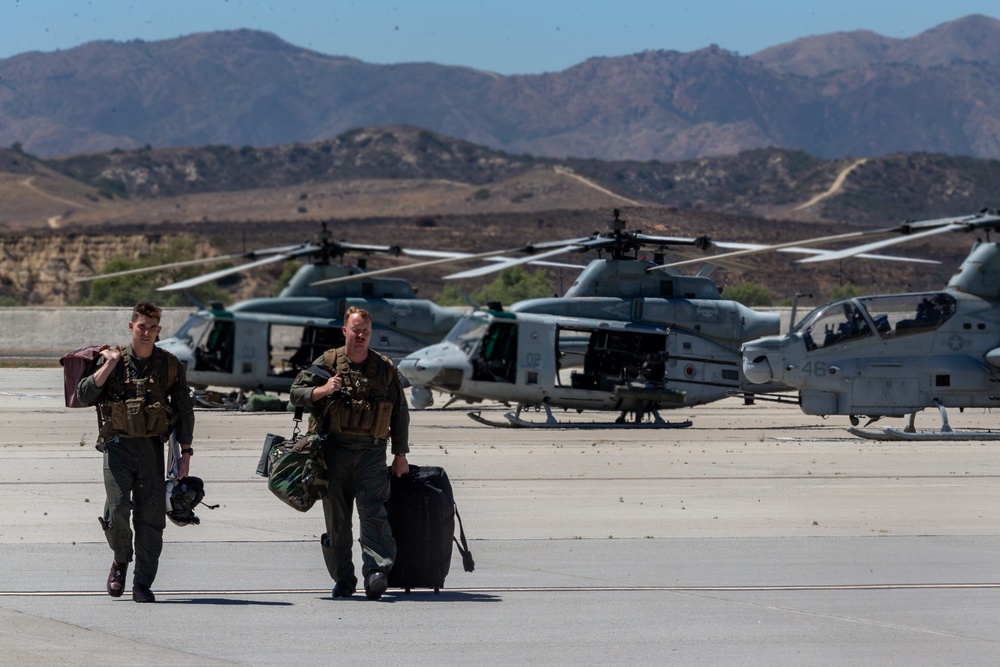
(226, 602)
(429, 596)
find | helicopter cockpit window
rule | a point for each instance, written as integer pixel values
(835, 324)
(215, 351)
(193, 329)
(468, 332)
(907, 314)
(497, 356)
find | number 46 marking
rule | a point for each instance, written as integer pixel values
(817, 368)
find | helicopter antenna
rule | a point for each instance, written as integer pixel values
(468, 300)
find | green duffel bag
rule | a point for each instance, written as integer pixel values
(296, 471)
(265, 403)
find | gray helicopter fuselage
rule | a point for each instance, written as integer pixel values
(629, 278)
(575, 363)
(691, 336)
(261, 344)
(892, 355)
(623, 290)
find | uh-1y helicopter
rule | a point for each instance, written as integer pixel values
(894, 355)
(261, 344)
(632, 340)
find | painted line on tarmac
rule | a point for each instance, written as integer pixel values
(547, 589)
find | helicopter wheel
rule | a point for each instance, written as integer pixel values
(854, 420)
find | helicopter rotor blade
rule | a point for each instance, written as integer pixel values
(159, 267)
(915, 230)
(875, 245)
(981, 220)
(493, 268)
(819, 251)
(418, 265)
(208, 277)
(778, 246)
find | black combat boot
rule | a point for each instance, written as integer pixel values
(142, 593)
(375, 584)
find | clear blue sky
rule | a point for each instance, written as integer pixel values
(504, 36)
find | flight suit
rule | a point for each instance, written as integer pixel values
(134, 475)
(356, 427)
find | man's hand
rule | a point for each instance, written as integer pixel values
(399, 465)
(183, 465)
(329, 388)
(111, 356)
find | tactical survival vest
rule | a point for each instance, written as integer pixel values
(134, 406)
(364, 406)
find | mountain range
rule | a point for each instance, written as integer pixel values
(831, 96)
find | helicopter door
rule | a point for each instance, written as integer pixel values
(497, 360)
(616, 357)
(294, 347)
(216, 351)
(315, 341)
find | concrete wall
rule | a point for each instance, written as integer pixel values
(42, 332)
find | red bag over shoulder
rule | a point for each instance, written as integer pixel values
(76, 365)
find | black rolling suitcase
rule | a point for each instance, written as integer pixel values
(422, 514)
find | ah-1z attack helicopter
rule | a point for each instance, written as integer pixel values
(894, 355)
(637, 340)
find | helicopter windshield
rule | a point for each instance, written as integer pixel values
(834, 324)
(907, 314)
(468, 332)
(193, 329)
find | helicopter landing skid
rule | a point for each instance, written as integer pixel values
(910, 433)
(900, 434)
(514, 421)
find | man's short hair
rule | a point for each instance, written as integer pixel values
(146, 309)
(354, 310)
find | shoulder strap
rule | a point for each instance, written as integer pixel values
(388, 368)
(335, 360)
(467, 563)
(172, 371)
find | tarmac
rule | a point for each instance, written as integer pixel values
(758, 536)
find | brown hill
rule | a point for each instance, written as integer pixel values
(831, 96)
(394, 170)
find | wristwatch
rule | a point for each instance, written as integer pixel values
(188, 450)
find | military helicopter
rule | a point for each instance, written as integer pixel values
(894, 355)
(641, 339)
(261, 344)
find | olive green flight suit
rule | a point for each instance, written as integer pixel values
(134, 475)
(355, 458)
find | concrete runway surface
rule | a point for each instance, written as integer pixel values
(757, 536)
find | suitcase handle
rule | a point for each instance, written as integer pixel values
(467, 563)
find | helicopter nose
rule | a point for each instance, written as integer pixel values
(757, 369)
(179, 349)
(440, 367)
(414, 369)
